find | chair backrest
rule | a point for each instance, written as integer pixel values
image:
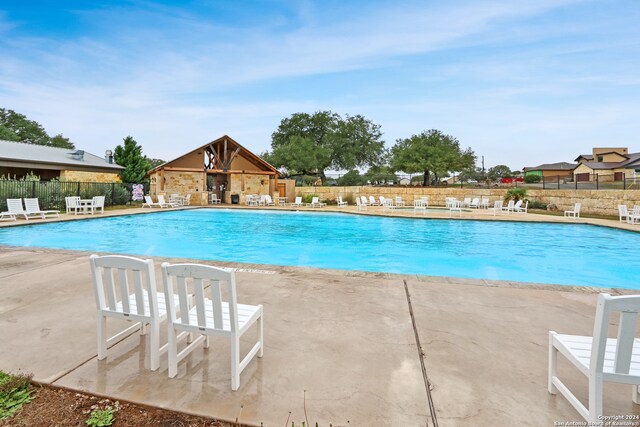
(98, 201)
(517, 204)
(387, 202)
(577, 207)
(74, 201)
(628, 307)
(314, 200)
(372, 200)
(381, 198)
(363, 199)
(358, 202)
(298, 200)
(419, 203)
(398, 199)
(268, 199)
(148, 199)
(424, 198)
(15, 206)
(497, 204)
(511, 204)
(207, 283)
(467, 200)
(187, 198)
(475, 201)
(623, 211)
(31, 205)
(213, 196)
(116, 277)
(485, 200)
(161, 199)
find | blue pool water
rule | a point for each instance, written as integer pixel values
(568, 254)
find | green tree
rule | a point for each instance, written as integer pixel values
(16, 127)
(312, 143)
(430, 152)
(499, 171)
(153, 162)
(379, 175)
(135, 164)
(351, 178)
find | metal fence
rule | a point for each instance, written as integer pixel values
(586, 181)
(51, 194)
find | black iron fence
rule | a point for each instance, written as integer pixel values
(51, 194)
(587, 181)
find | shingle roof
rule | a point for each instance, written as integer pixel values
(553, 166)
(584, 156)
(632, 159)
(20, 151)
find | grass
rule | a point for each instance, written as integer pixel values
(14, 392)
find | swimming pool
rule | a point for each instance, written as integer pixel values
(569, 254)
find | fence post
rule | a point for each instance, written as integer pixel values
(78, 190)
(558, 178)
(33, 189)
(113, 193)
(575, 180)
(624, 180)
(597, 182)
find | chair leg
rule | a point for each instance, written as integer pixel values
(172, 352)
(634, 394)
(102, 337)
(595, 398)
(553, 361)
(235, 362)
(261, 336)
(154, 344)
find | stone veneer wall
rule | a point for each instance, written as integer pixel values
(182, 183)
(244, 184)
(596, 202)
(81, 176)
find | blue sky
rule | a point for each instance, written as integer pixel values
(520, 82)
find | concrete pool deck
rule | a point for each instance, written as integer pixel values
(342, 344)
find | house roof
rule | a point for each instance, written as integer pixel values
(552, 166)
(632, 159)
(584, 156)
(30, 153)
(231, 146)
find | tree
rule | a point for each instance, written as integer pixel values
(16, 127)
(499, 171)
(351, 178)
(379, 175)
(312, 143)
(135, 164)
(430, 152)
(153, 162)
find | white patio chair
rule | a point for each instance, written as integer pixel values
(425, 200)
(15, 208)
(475, 203)
(187, 200)
(466, 202)
(387, 204)
(497, 208)
(125, 288)
(419, 206)
(361, 206)
(268, 201)
(341, 203)
(316, 203)
(575, 212)
(97, 203)
(363, 200)
(634, 215)
(176, 199)
(148, 201)
(373, 201)
(521, 209)
(6, 216)
(510, 205)
(72, 203)
(600, 358)
(213, 199)
(381, 200)
(455, 206)
(297, 202)
(484, 202)
(623, 213)
(399, 201)
(32, 207)
(448, 201)
(210, 315)
(163, 203)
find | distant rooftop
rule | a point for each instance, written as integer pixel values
(552, 166)
(23, 152)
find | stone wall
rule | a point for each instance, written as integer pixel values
(181, 183)
(81, 176)
(246, 183)
(596, 202)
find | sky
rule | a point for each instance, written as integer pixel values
(520, 82)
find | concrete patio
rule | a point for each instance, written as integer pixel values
(341, 344)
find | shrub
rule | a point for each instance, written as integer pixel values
(536, 204)
(515, 194)
(101, 417)
(531, 179)
(14, 392)
(307, 198)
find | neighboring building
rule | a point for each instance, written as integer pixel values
(223, 167)
(608, 163)
(18, 159)
(561, 169)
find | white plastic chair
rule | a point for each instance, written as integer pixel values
(268, 201)
(187, 200)
(213, 199)
(316, 203)
(125, 288)
(72, 203)
(341, 203)
(455, 206)
(399, 201)
(210, 315)
(484, 202)
(32, 207)
(497, 208)
(475, 203)
(373, 202)
(466, 202)
(361, 206)
(163, 204)
(297, 202)
(575, 212)
(15, 208)
(518, 208)
(600, 358)
(633, 217)
(419, 206)
(510, 206)
(148, 201)
(97, 203)
(623, 213)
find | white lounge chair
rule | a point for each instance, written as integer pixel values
(399, 201)
(32, 207)
(475, 203)
(380, 201)
(518, 208)
(297, 202)
(455, 206)
(187, 200)
(341, 203)
(210, 316)
(419, 206)
(510, 206)
(125, 288)
(425, 200)
(373, 201)
(633, 217)
(600, 358)
(448, 201)
(164, 204)
(361, 206)
(466, 202)
(72, 203)
(484, 203)
(316, 203)
(6, 216)
(148, 201)
(575, 212)
(497, 208)
(97, 203)
(268, 201)
(15, 208)
(387, 204)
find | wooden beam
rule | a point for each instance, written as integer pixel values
(177, 169)
(222, 171)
